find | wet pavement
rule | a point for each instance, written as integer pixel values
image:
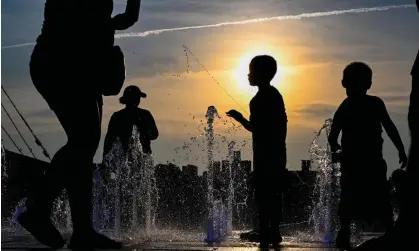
(24, 242)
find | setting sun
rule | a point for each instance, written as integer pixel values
(242, 70)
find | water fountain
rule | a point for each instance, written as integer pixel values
(131, 195)
(124, 195)
(327, 188)
(123, 181)
(230, 192)
(216, 214)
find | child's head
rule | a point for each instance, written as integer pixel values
(132, 96)
(262, 70)
(357, 78)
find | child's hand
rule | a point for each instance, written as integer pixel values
(235, 115)
(402, 160)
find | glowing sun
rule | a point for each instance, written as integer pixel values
(242, 70)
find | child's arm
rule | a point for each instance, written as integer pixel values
(129, 17)
(392, 132)
(246, 124)
(152, 132)
(110, 137)
(335, 131)
(279, 117)
(239, 118)
(284, 119)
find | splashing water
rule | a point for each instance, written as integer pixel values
(327, 188)
(20, 208)
(220, 209)
(212, 234)
(230, 192)
(221, 183)
(125, 196)
(131, 195)
(61, 216)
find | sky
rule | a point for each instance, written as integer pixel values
(311, 54)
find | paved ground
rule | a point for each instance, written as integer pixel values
(188, 246)
(18, 239)
(24, 242)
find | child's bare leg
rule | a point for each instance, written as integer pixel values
(344, 235)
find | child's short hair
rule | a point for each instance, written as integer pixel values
(358, 75)
(264, 65)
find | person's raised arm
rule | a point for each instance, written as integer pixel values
(392, 133)
(335, 131)
(129, 17)
(245, 123)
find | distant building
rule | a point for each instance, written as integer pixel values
(190, 170)
(306, 165)
(167, 170)
(237, 156)
(298, 195)
(216, 167)
(246, 166)
(225, 164)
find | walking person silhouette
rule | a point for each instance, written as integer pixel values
(268, 125)
(365, 194)
(73, 63)
(121, 127)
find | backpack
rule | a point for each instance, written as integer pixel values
(115, 73)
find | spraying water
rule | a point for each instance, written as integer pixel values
(61, 216)
(132, 197)
(230, 192)
(327, 188)
(220, 183)
(124, 202)
(220, 207)
(212, 234)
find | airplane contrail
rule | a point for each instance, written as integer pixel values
(249, 21)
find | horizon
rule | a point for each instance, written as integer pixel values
(311, 54)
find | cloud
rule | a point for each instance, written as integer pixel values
(259, 20)
(395, 98)
(44, 113)
(316, 110)
(20, 20)
(266, 19)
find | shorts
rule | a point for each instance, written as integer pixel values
(365, 191)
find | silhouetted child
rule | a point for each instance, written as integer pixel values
(365, 193)
(268, 124)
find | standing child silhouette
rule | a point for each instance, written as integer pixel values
(268, 124)
(365, 193)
